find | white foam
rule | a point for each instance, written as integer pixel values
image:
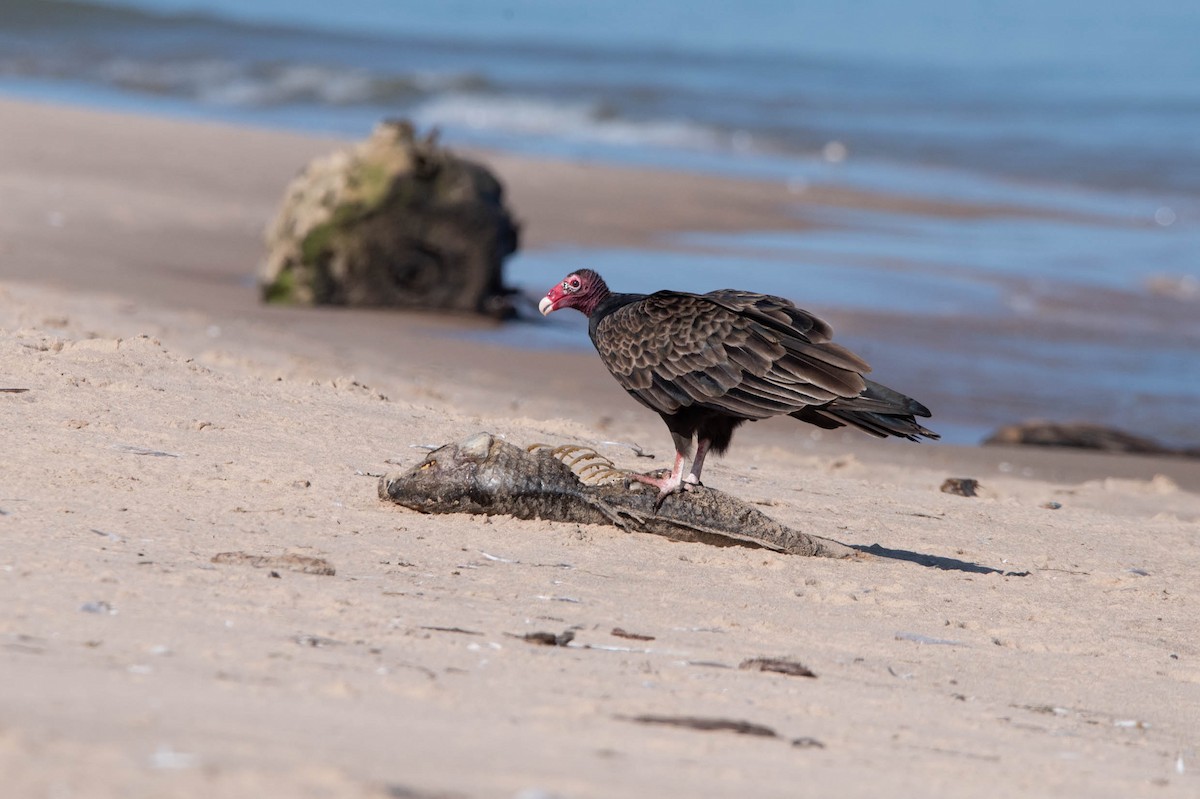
(583, 122)
(223, 82)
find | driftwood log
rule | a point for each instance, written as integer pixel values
(1082, 435)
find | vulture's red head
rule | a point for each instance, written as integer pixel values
(582, 290)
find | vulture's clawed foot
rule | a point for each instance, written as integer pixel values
(666, 482)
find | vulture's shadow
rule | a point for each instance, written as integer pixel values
(933, 561)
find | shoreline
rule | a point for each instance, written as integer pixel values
(126, 214)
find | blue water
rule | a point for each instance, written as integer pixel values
(1086, 114)
(1095, 94)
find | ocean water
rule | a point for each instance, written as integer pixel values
(1102, 94)
(1085, 113)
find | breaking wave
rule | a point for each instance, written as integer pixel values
(225, 82)
(574, 121)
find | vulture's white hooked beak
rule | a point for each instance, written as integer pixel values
(550, 302)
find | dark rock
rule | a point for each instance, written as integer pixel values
(962, 486)
(780, 665)
(549, 639)
(396, 222)
(807, 743)
(620, 633)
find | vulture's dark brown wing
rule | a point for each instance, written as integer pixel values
(749, 355)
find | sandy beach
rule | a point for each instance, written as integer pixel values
(1041, 639)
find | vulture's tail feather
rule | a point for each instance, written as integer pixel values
(878, 410)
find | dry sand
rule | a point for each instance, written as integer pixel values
(999, 648)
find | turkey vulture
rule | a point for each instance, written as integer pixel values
(708, 362)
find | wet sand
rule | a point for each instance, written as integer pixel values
(1037, 640)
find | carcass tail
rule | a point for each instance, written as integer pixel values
(878, 410)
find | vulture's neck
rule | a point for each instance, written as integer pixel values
(607, 305)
